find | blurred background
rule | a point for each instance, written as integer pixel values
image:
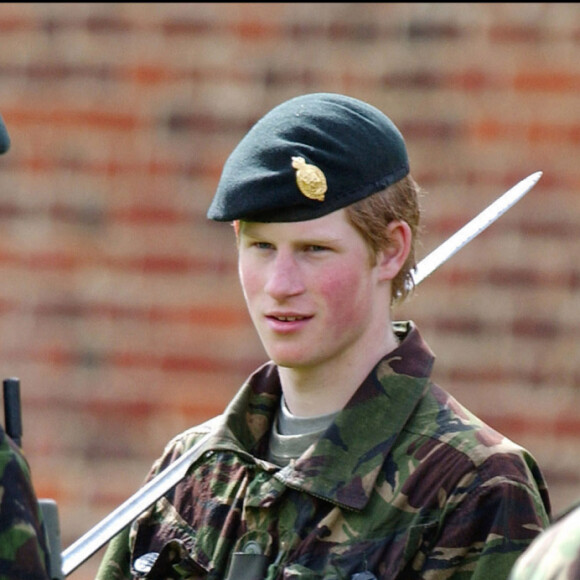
(120, 309)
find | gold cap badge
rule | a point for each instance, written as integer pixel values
(310, 179)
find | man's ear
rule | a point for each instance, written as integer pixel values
(390, 260)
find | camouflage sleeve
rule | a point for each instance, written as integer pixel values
(115, 564)
(23, 548)
(488, 531)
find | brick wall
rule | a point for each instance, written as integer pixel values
(120, 309)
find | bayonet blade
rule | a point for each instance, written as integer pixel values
(474, 227)
(128, 511)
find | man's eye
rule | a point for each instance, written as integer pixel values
(262, 245)
(316, 248)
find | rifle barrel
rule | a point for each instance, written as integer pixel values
(12, 410)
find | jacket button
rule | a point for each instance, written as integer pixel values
(144, 563)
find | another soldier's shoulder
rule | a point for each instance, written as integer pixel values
(11, 454)
(555, 553)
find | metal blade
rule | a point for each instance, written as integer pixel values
(128, 511)
(156, 488)
(473, 228)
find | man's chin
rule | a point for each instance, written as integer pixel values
(291, 362)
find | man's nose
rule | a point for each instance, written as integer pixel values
(285, 277)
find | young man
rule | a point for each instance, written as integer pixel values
(338, 458)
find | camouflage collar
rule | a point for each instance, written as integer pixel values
(343, 465)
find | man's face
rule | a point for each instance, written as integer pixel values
(310, 289)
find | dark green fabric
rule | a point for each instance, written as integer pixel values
(23, 548)
(357, 147)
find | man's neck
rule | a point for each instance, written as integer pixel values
(326, 388)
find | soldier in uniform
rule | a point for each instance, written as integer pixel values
(339, 457)
(23, 543)
(555, 553)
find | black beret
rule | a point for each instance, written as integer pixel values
(307, 157)
(4, 138)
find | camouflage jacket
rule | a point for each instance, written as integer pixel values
(555, 553)
(23, 547)
(405, 484)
